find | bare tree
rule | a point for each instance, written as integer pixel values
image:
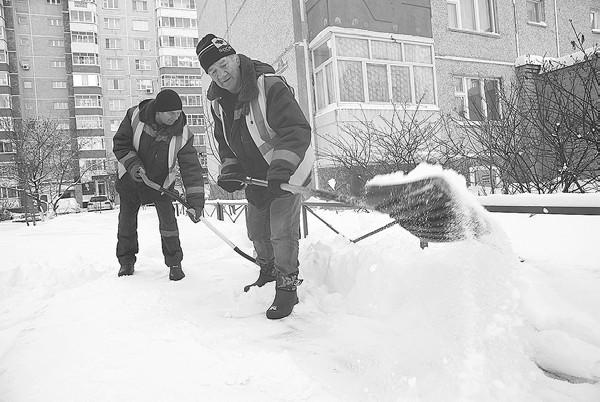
(385, 144)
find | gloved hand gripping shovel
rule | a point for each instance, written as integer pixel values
(192, 214)
(427, 207)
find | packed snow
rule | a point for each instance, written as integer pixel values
(379, 320)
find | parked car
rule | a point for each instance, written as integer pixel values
(98, 203)
(67, 206)
(5, 214)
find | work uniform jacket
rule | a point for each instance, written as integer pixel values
(261, 132)
(159, 148)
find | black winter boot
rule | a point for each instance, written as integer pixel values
(176, 273)
(126, 269)
(286, 296)
(266, 275)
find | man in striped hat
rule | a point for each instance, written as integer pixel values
(262, 133)
(151, 140)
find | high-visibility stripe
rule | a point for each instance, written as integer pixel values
(138, 128)
(169, 233)
(265, 148)
(195, 190)
(130, 155)
(287, 156)
(261, 126)
(229, 161)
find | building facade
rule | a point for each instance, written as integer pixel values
(353, 59)
(85, 62)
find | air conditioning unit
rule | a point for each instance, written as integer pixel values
(24, 66)
(149, 90)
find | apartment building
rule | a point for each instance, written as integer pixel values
(85, 62)
(350, 59)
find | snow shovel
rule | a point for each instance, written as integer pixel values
(425, 207)
(175, 195)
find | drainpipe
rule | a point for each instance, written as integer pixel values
(309, 90)
(516, 28)
(556, 30)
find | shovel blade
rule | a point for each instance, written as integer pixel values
(428, 208)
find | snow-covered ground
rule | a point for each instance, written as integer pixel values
(380, 320)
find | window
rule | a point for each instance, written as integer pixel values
(114, 125)
(86, 80)
(476, 98)
(111, 23)
(27, 84)
(179, 61)
(84, 122)
(176, 22)
(191, 100)
(57, 63)
(595, 20)
(92, 164)
(4, 80)
(115, 84)
(6, 147)
(3, 56)
(145, 85)
(84, 37)
(61, 105)
(91, 143)
(5, 101)
(195, 119)
(110, 4)
(142, 65)
(113, 64)
(6, 192)
(85, 59)
(59, 84)
(199, 140)
(170, 80)
(115, 105)
(141, 44)
(535, 11)
(140, 5)
(55, 22)
(82, 16)
(472, 15)
(53, 1)
(187, 4)
(87, 101)
(137, 25)
(350, 69)
(178, 41)
(6, 124)
(112, 43)
(57, 43)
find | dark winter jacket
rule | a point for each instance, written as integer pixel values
(284, 141)
(159, 149)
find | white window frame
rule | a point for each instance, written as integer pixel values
(143, 65)
(95, 143)
(4, 78)
(140, 25)
(118, 81)
(60, 105)
(595, 20)
(145, 84)
(112, 43)
(88, 101)
(5, 101)
(335, 58)
(116, 105)
(112, 23)
(494, 18)
(181, 81)
(195, 119)
(144, 6)
(89, 122)
(465, 94)
(141, 44)
(7, 147)
(59, 84)
(110, 4)
(114, 63)
(540, 9)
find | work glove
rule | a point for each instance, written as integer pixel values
(274, 187)
(195, 213)
(231, 182)
(136, 169)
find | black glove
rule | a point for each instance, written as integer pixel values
(195, 213)
(274, 187)
(136, 168)
(231, 182)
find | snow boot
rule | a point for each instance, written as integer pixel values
(266, 275)
(176, 273)
(126, 269)
(286, 296)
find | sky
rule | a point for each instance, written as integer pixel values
(379, 320)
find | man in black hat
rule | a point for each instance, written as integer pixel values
(152, 138)
(262, 133)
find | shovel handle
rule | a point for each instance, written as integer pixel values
(284, 186)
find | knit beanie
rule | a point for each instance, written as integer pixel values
(167, 100)
(210, 49)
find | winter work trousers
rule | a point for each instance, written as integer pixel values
(127, 237)
(274, 229)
